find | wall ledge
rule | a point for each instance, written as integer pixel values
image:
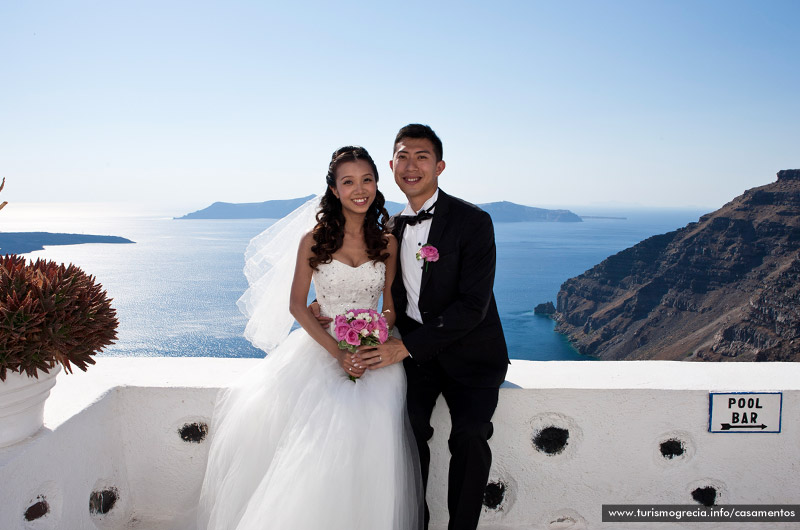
(569, 437)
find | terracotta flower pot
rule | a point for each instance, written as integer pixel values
(22, 404)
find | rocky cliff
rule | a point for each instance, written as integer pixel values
(726, 288)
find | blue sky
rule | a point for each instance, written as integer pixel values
(179, 104)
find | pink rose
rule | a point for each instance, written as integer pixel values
(428, 253)
(341, 331)
(383, 334)
(352, 337)
(358, 324)
(340, 320)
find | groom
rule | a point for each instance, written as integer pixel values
(452, 340)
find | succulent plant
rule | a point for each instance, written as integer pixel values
(51, 313)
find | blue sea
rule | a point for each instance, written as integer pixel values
(175, 289)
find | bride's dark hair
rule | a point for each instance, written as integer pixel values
(329, 231)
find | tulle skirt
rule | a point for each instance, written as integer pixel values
(296, 445)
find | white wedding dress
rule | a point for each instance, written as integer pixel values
(296, 445)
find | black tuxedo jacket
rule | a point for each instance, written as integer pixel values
(461, 328)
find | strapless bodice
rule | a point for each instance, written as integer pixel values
(341, 287)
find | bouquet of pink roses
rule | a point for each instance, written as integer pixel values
(360, 327)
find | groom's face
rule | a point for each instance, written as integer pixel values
(416, 170)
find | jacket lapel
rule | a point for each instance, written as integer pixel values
(438, 224)
(397, 226)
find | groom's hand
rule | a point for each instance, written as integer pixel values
(390, 352)
(323, 321)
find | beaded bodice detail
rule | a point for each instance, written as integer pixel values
(341, 287)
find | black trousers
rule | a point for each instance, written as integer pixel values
(471, 411)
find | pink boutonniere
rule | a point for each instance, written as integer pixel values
(428, 253)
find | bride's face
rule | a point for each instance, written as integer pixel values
(355, 186)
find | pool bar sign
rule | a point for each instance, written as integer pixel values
(752, 412)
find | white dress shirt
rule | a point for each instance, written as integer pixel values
(414, 237)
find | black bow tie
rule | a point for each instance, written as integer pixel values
(424, 215)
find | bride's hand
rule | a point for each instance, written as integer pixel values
(345, 359)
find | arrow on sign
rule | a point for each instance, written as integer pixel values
(728, 427)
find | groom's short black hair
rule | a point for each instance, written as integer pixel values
(417, 130)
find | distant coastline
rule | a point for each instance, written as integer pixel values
(603, 217)
(248, 210)
(501, 212)
(24, 242)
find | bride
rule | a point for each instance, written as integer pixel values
(296, 444)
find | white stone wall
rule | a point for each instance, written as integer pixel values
(116, 428)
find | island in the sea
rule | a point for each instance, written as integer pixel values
(248, 210)
(24, 242)
(501, 212)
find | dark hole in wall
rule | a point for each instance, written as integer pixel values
(494, 494)
(194, 432)
(551, 440)
(672, 448)
(37, 510)
(705, 496)
(101, 502)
